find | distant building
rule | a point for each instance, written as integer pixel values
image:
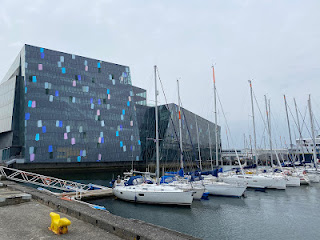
(63, 108)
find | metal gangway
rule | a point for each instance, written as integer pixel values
(44, 181)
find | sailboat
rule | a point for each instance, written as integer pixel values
(255, 180)
(137, 190)
(313, 173)
(179, 181)
(210, 183)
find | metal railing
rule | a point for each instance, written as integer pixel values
(44, 181)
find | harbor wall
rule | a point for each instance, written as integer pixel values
(122, 227)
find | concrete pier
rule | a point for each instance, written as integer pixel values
(31, 220)
(10, 197)
(115, 225)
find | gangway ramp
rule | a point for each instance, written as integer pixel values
(44, 181)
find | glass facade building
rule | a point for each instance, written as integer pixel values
(73, 109)
(193, 126)
(58, 108)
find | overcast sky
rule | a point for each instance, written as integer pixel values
(275, 43)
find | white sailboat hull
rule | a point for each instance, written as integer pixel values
(314, 177)
(254, 181)
(197, 190)
(153, 194)
(304, 180)
(225, 189)
(292, 181)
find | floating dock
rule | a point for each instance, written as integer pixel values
(87, 195)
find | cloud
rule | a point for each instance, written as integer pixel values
(17, 44)
(275, 43)
(5, 19)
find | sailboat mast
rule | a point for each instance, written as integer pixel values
(200, 162)
(286, 106)
(269, 127)
(180, 128)
(313, 136)
(210, 148)
(299, 129)
(215, 115)
(254, 126)
(157, 124)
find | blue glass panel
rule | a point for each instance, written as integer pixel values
(108, 91)
(99, 65)
(81, 152)
(44, 129)
(50, 148)
(34, 79)
(63, 70)
(27, 116)
(37, 138)
(41, 50)
(79, 77)
(60, 124)
(29, 103)
(121, 127)
(25, 89)
(57, 94)
(42, 55)
(123, 112)
(102, 140)
(128, 104)
(91, 100)
(121, 144)
(79, 159)
(99, 101)
(139, 142)
(117, 133)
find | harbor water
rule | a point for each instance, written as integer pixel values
(275, 214)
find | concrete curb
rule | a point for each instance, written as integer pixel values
(122, 227)
(15, 199)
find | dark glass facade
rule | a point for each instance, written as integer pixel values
(169, 135)
(58, 107)
(75, 109)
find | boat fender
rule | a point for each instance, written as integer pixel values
(205, 196)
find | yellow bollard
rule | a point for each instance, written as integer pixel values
(59, 225)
